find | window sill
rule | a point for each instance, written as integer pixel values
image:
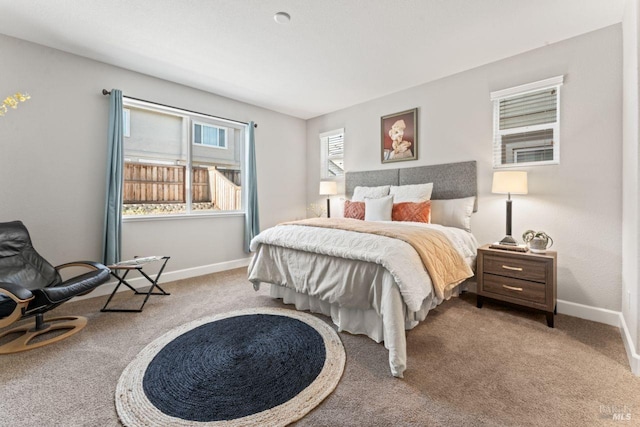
(142, 218)
(196, 144)
(527, 164)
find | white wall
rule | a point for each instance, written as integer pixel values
(53, 150)
(631, 163)
(577, 202)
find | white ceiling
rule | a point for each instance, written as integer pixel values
(333, 53)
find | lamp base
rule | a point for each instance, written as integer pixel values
(509, 241)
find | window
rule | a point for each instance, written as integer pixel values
(332, 154)
(526, 124)
(209, 136)
(169, 165)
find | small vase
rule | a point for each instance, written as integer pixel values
(537, 245)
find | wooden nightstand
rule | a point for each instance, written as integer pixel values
(521, 278)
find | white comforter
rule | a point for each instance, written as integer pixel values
(396, 256)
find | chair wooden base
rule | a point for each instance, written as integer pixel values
(28, 333)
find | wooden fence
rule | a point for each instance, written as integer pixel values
(232, 175)
(147, 183)
(200, 186)
(226, 195)
(153, 184)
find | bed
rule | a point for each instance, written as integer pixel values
(372, 284)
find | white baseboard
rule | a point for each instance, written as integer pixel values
(168, 276)
(629, 346)
(608, 317)
(587, 312)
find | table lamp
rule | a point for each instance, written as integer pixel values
(509, 182)
(328, 188)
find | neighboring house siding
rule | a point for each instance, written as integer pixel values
(229, 157)
(155, 135)
(159, 136)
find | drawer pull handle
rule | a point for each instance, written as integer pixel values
(506, 267)
(512, 288)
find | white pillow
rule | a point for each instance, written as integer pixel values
(337, 208)
(453, 212)
(361, 193)
(411, 193)
(378, 209)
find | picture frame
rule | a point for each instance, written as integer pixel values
(399, 136)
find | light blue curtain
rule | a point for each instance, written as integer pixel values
(113, 203)
(252, 224)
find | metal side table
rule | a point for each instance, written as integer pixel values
(136, 264)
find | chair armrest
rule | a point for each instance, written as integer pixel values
(21, 296)
(88, 264)
(77, 285)
(16, 292)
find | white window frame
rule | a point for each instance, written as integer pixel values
(501, 95)
(126, 123)
(217, 147)
(188, 118)
(324, 153)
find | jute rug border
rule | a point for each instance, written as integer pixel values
(134, 409)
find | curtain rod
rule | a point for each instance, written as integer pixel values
(255, 125)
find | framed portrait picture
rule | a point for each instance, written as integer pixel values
(399, 136)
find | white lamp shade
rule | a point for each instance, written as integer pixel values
(514, 182)
(328, 188)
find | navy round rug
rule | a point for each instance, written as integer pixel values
(249, 367)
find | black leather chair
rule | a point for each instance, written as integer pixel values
(30, 286)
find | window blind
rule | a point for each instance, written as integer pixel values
(527, 124)
(332, 145)
(335, 149)
(530, 109)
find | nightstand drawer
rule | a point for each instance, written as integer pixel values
(514, 288)
(517, 268)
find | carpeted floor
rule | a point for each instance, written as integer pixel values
(466, 367)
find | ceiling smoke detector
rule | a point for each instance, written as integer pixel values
(282, 17)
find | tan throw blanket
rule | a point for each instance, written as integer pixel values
(443, 262)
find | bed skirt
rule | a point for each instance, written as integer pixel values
(367, 321)
(360, 297)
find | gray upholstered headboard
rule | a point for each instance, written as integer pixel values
(450, 181)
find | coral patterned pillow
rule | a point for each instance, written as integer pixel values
(409, 211)
(354, 210)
